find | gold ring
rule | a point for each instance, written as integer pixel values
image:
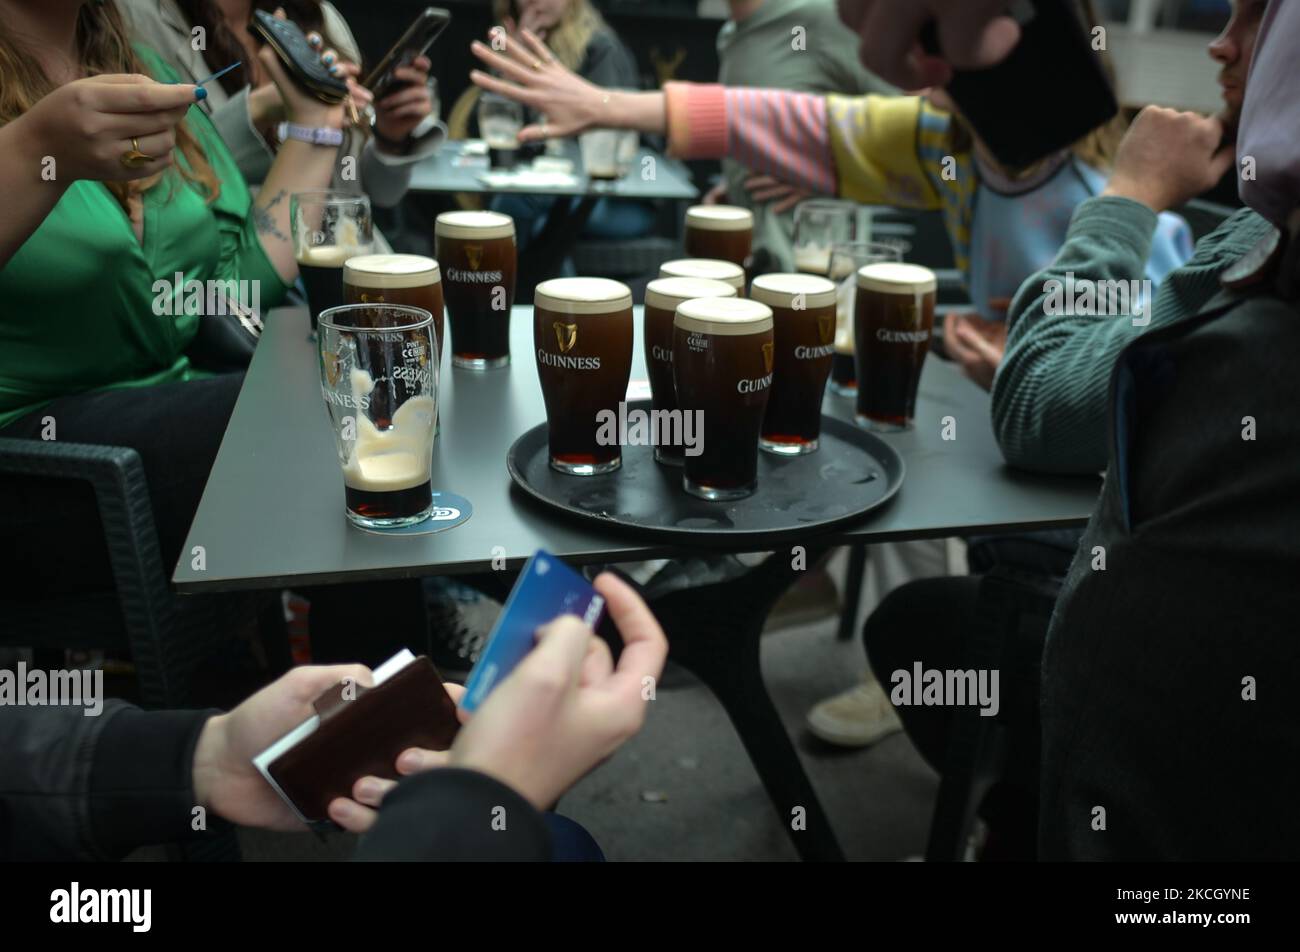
(135, 158)
(537, 65)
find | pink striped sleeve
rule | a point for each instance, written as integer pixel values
(780, 133)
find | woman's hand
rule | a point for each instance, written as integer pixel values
(398, 113)
(541, 82)
(783, 195)
(976, 345)
(87, 126)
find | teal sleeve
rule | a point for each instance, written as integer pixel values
(1051, 391)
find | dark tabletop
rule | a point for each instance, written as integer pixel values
(272, 512)
(449, 170)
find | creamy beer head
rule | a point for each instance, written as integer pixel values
(724, 317)
(478, 260)
(711, 269)
(890, 277)
(582, 296)
(789, 290)
(582, 332)
(326, 256)
(893, 321)
(719, 218)
(474, 225)
(667, 293)
(394, 271)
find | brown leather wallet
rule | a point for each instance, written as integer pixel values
(363, 736)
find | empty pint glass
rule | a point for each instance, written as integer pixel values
(583, 334)
(379, 378)
(894, 317)
(722, 369)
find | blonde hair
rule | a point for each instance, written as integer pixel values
(102, 48)
(569, 38)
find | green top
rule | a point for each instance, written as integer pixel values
(799, 45)
(78, 304)
(1050, 394)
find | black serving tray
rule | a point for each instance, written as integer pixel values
(853, 473)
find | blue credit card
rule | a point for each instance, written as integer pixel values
(547, 589)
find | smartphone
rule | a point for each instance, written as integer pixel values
(415, 42)
(1050, 92)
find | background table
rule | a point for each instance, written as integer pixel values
(449, 170)
(272, 516)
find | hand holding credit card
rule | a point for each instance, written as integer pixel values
(547, 589)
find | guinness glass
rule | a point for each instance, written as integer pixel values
(582, 329)
(476, 251)
(846, 260)
(725, 232)
(413, 280)
(894, 316)
(329, 227)
(820, 225)
(723, 353)
(803, 316)
(709, 269)
(662, 298)
(379, 378)
(499, 122)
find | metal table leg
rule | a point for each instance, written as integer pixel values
(714, 631)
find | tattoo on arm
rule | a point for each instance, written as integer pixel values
(265, 221)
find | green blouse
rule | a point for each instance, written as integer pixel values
(77, 300)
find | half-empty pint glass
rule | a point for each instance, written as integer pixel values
(708, 269)
(413, 280)
(803, 315)
(723, 355)
(476, 252)
(582, 329)
(379, 378)
(662, 297)
(720, 231)
(328, 227)
(894, 317)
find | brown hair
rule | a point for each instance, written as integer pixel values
(102, 48)
(571, 36)
(223, 48)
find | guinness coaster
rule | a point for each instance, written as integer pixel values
(449, 511)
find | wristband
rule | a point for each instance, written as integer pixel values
(315, 135)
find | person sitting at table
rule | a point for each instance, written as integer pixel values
(576, 35)
(911, 151)
(246, 107)
(96, 788)
(113, 183)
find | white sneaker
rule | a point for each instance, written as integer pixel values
(857, 717)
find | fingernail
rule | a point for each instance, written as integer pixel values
(334, 70)
(200, 94)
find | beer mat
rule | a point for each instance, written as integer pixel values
(853, 473)
(449, 511)
(528, 178)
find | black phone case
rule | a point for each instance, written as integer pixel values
(302, 62)
(380, 81)
(1049, 93)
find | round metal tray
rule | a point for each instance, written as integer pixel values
(853, 473)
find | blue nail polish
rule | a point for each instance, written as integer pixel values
(200, 94)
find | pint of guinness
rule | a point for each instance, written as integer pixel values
(476, 252)
(723, 358)
(582, 332)
(662, 298)
(413, 280)
(708, 269)
(720, 231)
(803, 315)
(893, 320)
(379, 379)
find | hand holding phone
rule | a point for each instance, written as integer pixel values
(414, 43)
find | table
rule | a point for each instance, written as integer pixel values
(272, 516)
(447, 171)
